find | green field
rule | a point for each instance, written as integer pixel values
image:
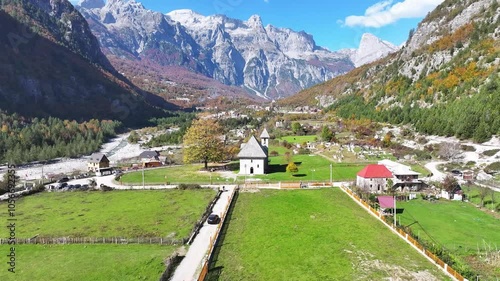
(86, 262)
(299, 139)
(312, 235)
(312, 167)
(173, 175)
(490, 203)
(130, 214)
(459, 227)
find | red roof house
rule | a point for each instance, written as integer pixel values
(373, 178)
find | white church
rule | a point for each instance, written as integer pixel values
(254, 155)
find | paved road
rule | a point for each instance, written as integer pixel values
(190, 266)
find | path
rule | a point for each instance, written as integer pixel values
(436, 174)
(191, 265)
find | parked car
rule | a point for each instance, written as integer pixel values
(65, 179)
(213, 219)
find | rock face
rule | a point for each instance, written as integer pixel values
(52, 66)
(372, 48)
(268, 61)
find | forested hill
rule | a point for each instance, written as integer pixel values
(444, 81)
(51, 65)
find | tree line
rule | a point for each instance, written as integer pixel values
(24, 140)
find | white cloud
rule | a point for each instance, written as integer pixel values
(385, 12)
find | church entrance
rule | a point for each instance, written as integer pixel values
(251, 170)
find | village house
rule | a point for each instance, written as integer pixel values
(254, 155)
(373, 178)
(150, 159)
(404, 180)
(99, 164)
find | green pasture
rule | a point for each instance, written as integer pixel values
(130, 214)
(86, 262)
(312, 235)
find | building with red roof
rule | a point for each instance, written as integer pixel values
(373, 178)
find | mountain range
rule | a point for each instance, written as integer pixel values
(445, 80)
(265, 61)
(52, 65)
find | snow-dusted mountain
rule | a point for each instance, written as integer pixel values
(268, 61)
(372, 48)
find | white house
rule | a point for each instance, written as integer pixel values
(254, 155)
(373, 178)
(405, 180)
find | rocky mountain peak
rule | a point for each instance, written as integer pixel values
(255, 22)
(372, 48)
(91, 4)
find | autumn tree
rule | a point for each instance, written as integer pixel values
(292, 168)
(203, 142)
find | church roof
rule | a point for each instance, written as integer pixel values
(252, 149)
(265, 134)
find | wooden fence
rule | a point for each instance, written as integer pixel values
(97, 240)
(408, 238)
(214, 239)
(286, 185)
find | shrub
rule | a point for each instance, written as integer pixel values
(188, 186)
(292, 168)
(492, 168)
(491, 152)
(468, 148)
(105, 187)
(273, 153)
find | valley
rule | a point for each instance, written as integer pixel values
(300, 141)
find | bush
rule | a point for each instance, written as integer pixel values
(273, 153)
(491, 152)
(105, 187)
(188, 186)
(468, 148)
(292, 168)
(492, 168)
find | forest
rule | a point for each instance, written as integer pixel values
(23, 140)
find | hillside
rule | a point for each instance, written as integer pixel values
(263, 61)
(52, 66)
(444, 81)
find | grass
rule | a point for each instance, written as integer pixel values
(299, 139)
(490, 203)
(312, 167)
(177, 174)
(312, 235)
(130, 214)
(458, 226)
(86, 262)
(420, 169)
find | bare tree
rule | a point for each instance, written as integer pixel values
(449, 150)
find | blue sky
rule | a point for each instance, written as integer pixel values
(333, 24)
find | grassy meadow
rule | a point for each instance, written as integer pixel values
(131, 214)
(86, 262)
(312, 235)
(467, 232)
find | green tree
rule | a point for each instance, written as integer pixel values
(203, 142)
(327, 134)
(133, 137)
(296, 127)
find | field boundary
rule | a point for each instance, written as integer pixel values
(97, 240)
(448, 270)
(215, 239)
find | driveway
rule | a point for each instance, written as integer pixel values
(436, 174)
(190, 266)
